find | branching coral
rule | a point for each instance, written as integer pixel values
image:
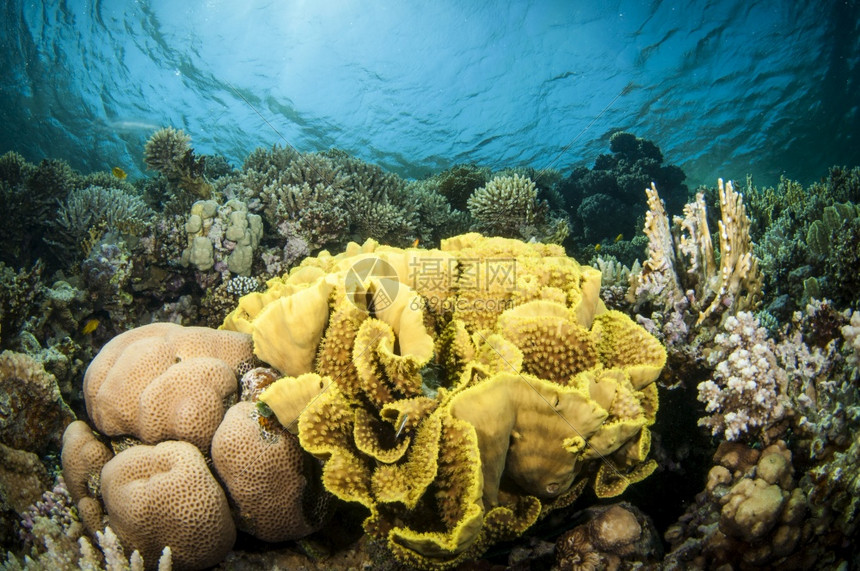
(508, 206)
(169, 152)
(682, 261)
(90, 212)
(504, 205)
(749, 387)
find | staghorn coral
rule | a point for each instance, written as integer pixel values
(461, 410)
(508, 206)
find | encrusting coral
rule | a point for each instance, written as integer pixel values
(459, 393)
(34, 413)
(751, 514)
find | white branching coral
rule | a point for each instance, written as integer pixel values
(682, 261)
(747, 393)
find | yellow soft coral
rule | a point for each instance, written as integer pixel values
(460, 393)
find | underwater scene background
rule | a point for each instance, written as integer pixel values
(390, 285)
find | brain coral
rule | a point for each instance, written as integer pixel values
(460, 393)
(164, 495)
(163, 381)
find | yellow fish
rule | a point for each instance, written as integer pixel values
(597, 247)
(119, 173)
(619, 238)
(90, 326)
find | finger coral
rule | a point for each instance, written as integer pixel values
(459, 394)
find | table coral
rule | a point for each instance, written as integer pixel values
(459, 394)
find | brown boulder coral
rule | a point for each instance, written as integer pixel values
(272, 482)
(459, 394)
(83, 458)
(165, 495)
(163, 381)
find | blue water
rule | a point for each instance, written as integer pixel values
(724, 87)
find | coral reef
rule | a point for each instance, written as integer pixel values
(449, 393)
(439, 422)
(606, 200)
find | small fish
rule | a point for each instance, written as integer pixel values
(90, 326)
(415, 243)
(619, 238)
(402, 425)
(597, 247)
(119, 173)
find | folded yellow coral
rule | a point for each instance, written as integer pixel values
(459, 394)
